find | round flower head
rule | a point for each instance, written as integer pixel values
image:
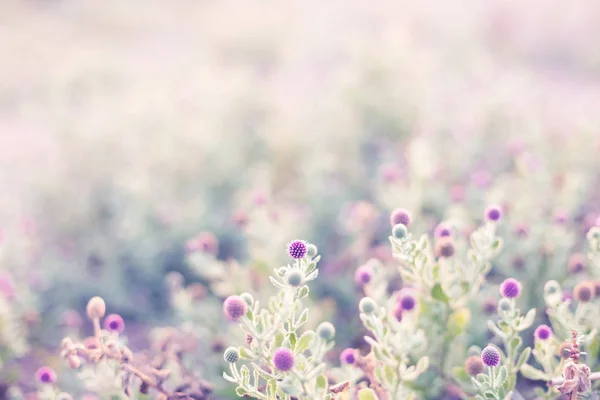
(326, 330)
(489, 306)
(493, 213)
(510, 288)
(294, 278)
(473, 365)
(96, 307)
(490, 356)
(576, 263)
(231, 355)
(363, 275)
(442, 231)
(583, 292)
(543, 332)
(234, 308)
(400, 216)
(311, 250)
(407, 300)
(45, 375)
(367, 305)
(444, 247)
(283, 359)
(297, 249)
(114, 323)
(348, 356)
(399, 231)
(504, 305)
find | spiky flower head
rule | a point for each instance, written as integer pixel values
(444, 247)
(283, 359)
(504, 305)
(231, 355)
(543, 332)
(400, 216)
(348, 356)
(510, 288)
(473, 365)
(442, 230)
(311, 250)
(294, 278)
(297, 249)
(493, 213)
(45, 375)
(399, 231)
(583, 292)
(114, 323)
(234, 308)
(407, 300)
(367, 305)
(96, 307)
(363, 275)
(490, 356)
(326, 331)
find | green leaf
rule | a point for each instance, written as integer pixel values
(389, 374)
(302, 319)
(528, 320)
(532, 373)
(523, 358)
(322, 382)
(501, 377)
(438, 293)
(304, 342)
(292, 339)
(302, 292)
(514, 345)
(245, 375)
(367, 394)
(240, 391)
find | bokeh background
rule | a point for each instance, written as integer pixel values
(129, 126)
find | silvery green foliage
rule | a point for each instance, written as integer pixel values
(395, 346)
(593, 237)
(508, 330)
(493, 385)
(280, 325)
(547, 355)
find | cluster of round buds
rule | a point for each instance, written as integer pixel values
(283, 359)
(493, 213)
(400, 216)
(297, 249)
(45, 376)
(234, 308)
(490, 356)
(510, 288)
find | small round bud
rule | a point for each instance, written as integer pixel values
(543, 332)
(96, 308)
(576, 263)
(114, 323)
(367, 305)
(234, 308)
(248, 299)
(348, 356)
(407, 300)
(504, 305)
(473, 365)
(231, 355)
(490, 356)
(297, 249)
(510, 288)
(311, 250)
(441, 231)
(326, 331)
(294, 278)
(444, 247)
(283, 359)
(489, 306)
(399, 231)
(400, 216)
(564, 350)
(363, 275)
(45, 376)
(493, 213)
(551, 288)
(583, 292)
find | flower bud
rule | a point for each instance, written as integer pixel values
(96, 308)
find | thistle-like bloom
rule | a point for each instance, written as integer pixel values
(231, 355)
(297, 249)
(441, 231)
(490, 356)
(348, 356)
(367, 305)
(493, 213)
(114, 323)
(363, 275)
(444, 247)
(583, 292)
(576, 263)
(96, 307)
(283, 359)
(543, 332)
(406, 300)
(510, 288)
(326, 330)
(399, 231)
(234, 308)
(473, 365)
(400, 216)
(45, 375)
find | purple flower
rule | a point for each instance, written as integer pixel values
(283, 359)
(583, 292)
(234, 308)
(444, 247)
(510, 288)
(442, 231)
(493, 213)
(473, 366)
(363, 275)
(576, 263)
(406, 300)
(297, 249)
(45, 375)
(400, 216)
(543, 332)
(348, 356)
(114, 323)
(490, 356)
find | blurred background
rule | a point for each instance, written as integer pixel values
(129, 126)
